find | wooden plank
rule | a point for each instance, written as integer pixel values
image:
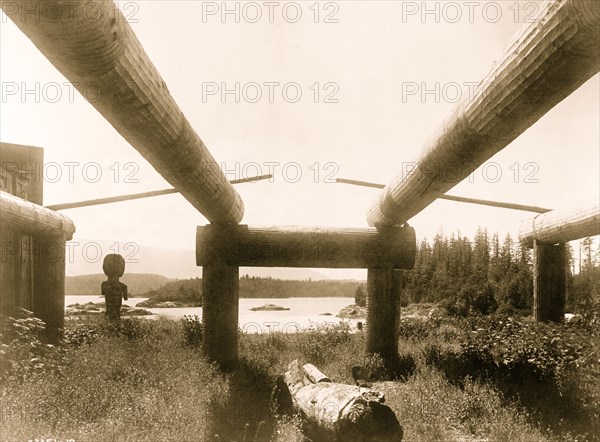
(460, 199)
(135, 196)
(306, 246)
(49, 284)
(106, 62)
(27, 217)
(549, 282)
(562, 225)
(548, 60)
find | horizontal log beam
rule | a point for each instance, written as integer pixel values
(562, 225)
(305, 247)
(135, 196)
(547, 61)
(460, 199)
(29, 218)
(105, 61)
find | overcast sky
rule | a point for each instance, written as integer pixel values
(359, 62)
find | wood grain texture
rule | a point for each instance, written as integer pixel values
(383, 311)
(26, 217)
(305, 246)
(94, 47)
(548, 60)
(220, 313)
(562, 225)
(338, 412)
(49, 285)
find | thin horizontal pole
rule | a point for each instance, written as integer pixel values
(135, 196)
(460, 199)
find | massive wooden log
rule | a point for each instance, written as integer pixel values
(549, 59)
(336, 412)
(561, 225)
(26, 217)
(549, 281)
(220, 312)
(93, 46)
(305, 246)
(383, 311)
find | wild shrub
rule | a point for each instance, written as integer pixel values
(26, 354)
(192, 330)
(322, 342)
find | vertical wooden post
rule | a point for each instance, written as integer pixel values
(549, 281)
(220, 310)
(383, 310)
(49, 283)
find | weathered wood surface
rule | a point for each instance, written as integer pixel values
(49, 284)
(306, 246)
(383, 311)
(105, 61)
(549, 282)
(27, 217)
(562, 225)
(460, 199)
(336, 412)
(25, 164)
(549, 59)
(220, 312)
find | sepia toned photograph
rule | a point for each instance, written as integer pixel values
(299, 221)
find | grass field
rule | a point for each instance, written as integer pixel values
(485, 378)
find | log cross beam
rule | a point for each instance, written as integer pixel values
(222, 249)
(547, 234)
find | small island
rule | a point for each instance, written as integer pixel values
(268, 308)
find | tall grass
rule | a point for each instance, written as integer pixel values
(147, 380)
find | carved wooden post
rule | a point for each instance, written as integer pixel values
(549, 281)
(220, 308)
(383, 310)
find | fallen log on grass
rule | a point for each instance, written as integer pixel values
(334, 412)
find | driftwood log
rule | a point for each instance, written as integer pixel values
(334, 412)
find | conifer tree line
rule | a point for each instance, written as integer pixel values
(488, 274)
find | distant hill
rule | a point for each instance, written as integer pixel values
(137, 283)
(177, 264)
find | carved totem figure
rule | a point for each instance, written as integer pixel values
(113, 290)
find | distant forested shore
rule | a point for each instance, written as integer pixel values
(463, 276)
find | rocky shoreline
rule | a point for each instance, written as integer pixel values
(157, 303)
(91, 308)
(353, 311)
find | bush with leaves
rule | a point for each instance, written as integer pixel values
(192, 330)
(24, 351)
